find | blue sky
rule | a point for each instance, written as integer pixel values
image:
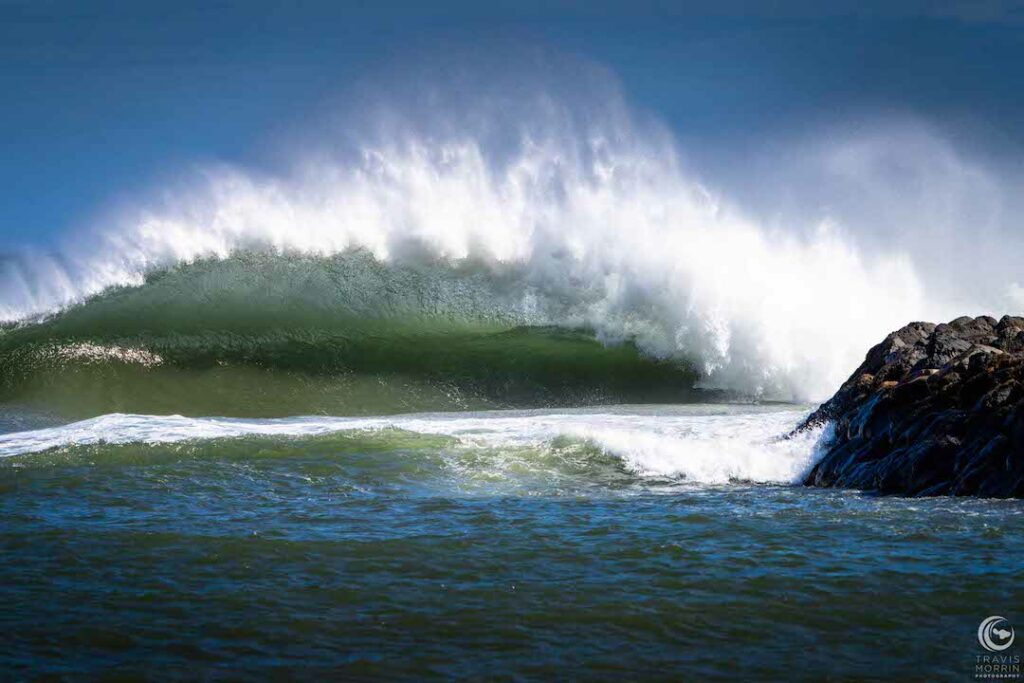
(104, 99)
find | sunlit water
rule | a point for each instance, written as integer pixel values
(667, 542)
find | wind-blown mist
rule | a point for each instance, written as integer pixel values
(580, 208)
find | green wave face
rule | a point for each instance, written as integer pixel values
(261, 335)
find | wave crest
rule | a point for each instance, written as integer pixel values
(576, 221)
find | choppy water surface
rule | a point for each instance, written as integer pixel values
(618, 542)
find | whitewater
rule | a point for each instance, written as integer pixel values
(573, 213)
(699, 444)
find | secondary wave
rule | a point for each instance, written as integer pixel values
(699, 444)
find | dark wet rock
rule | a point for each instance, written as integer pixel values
(932, 410)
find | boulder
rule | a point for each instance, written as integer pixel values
(932, 410)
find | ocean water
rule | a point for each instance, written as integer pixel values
(489, 393)
(669, 542)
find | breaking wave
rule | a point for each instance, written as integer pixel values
(264, 335)
(576, 216)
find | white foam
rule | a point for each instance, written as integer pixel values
(705, 444)
(590, 210)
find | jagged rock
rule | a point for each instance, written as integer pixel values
(932, 410)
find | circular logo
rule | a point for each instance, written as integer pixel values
(995, 634)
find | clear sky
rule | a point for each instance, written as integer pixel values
(102, 99)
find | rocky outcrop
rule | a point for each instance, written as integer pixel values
(932, 410)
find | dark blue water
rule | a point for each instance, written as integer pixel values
(400, 556)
